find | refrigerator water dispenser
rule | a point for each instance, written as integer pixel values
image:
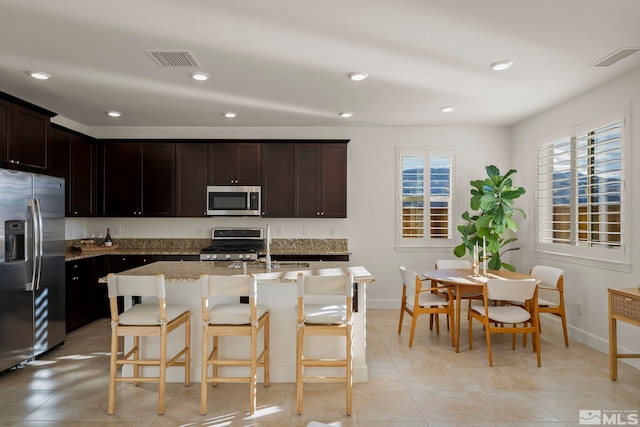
(14, 241)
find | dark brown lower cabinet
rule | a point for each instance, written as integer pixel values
(79, 293)
(86, 298)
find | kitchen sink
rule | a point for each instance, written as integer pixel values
(289, 265)
(274, 264)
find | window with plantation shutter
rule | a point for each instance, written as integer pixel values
(581, 199)
(424, 208)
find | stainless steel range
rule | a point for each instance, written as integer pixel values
(234, 244)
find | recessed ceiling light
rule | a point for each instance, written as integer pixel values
(230, 115)
(447, 109)
(346, 114)
(40, 75)
(501, 65)
(200, 76)
(358, 75)
(114, 113)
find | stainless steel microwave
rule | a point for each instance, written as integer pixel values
(233, 200)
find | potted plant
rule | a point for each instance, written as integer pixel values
(493, 197)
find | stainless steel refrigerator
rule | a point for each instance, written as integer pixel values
(32, 269)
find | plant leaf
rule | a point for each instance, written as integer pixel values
(508, 267)
(460, 250)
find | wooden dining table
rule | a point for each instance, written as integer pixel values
(462, 281)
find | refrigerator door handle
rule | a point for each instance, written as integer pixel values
(36, 240)
(38, 245)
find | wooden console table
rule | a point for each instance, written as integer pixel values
(624, 304)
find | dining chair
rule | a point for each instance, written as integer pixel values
(224, 316)
(145, 319)
(496, 317)
(417, 300)
(551, 285)
(324, 309)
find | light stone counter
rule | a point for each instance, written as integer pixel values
(157, 246)
(277, 291)
(190, 271)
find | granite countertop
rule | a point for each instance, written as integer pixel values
(73, 255)
(190, 272)
(193, 247)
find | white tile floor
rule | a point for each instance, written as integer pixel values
(427, 385)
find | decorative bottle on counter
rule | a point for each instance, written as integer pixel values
(107, 239)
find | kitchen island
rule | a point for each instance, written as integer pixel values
(276, 290)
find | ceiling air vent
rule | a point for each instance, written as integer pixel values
(173, 58)
(616, 56)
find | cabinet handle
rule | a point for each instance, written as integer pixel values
(11, 161)
(75, 212)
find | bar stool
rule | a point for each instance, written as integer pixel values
(146, 319)
(327, 319)
(230, 318)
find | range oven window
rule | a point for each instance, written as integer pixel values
(228, 201)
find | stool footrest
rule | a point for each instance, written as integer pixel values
(339, 363)
(324, 379)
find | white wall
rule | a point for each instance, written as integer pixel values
(370, 223)
(586, 282)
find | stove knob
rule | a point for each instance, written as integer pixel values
(214, 256)
(227, 256)
(206, 256)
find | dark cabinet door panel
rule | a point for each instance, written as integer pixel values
(5, 126)
(277, 180)
(191, 179)
(249, 163)
(120, 168)
(83, 186)
(306, 180)
(30, 130)
(60, 162)
(222, 164)
(79, 293)
(334, 181)
(158, 179)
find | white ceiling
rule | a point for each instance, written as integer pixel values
(285, 62)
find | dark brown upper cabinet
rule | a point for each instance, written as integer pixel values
(277, 180)
(137, 179)
(73, 156)
(5, 126)
(235, 163)
(191, 179)
(320, 180)
(23, 135)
